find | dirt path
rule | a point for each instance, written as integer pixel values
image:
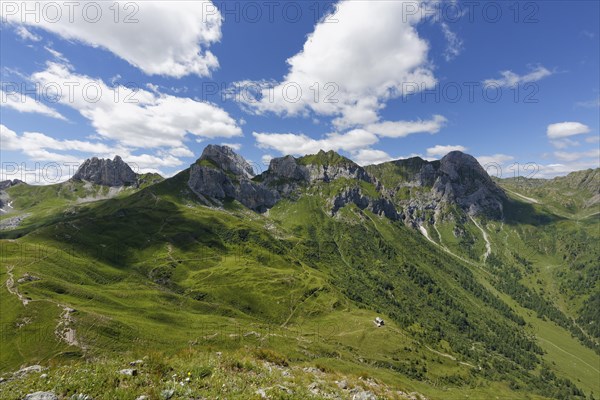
(569, 353)
(11, 287)
(449, 356)
(63, 331)
(528, 199)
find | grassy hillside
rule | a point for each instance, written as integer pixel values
(156, 274)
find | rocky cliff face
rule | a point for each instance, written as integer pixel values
(461, 180)
(10, 183)
(227, 160)
(106, 172)
(412, 186)
(377, 205)
(417, 185)
(4, 198)
(220, 174)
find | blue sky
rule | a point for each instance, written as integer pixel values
(379, 80)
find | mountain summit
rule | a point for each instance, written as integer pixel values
(106, 172)
(418, 186)
(402, 189)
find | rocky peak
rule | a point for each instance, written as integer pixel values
(462, 180)
(288, 168)
(10, 183)
(457, 178)
(225, 158)
(221, 174)
(106, 172)
(328, 166)
(460, 166)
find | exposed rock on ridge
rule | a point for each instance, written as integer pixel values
(106, 172)
(457, 179)
(220, 173)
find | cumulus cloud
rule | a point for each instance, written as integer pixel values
(564, 143)
(396, 129)
(266, 159)
(371, 156)
(495, 159)
(565, 129)
(575, 156)
(234, 146)
(357, 141)
(41, 148)
(356, 64)
(33, 144)
(510, 78)
(160, 38)
(135, 118)
(440, 151)
(300, 144)
(559, 169)
(26, 104)
(180, 151)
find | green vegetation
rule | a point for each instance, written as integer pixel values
(243, 301)
(325, 158)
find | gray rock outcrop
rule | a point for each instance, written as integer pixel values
(10, 183)
(416, 185)
(461, 180)
(4, 197)
(456, 179)
(379, 206)
(228, 160)
(106, 172)
(222, 174)
(41, 396)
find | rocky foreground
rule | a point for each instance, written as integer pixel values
(262, 374)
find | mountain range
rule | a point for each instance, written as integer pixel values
(267, 285)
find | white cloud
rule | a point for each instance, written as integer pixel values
(396, 129)
(558, 169)
(25, 104)
(358, 63)
(266, 159)
(496, 159)
(593, 139)
(509, 78)
(299, 144)
(149, 161)
(566, 129)
(136, 118)
(454, 44)
(234, 146)
(34, 144)
(440, 151)
(160, 38)
(564, 143)
(57, 55)
(25, 34)
(180, 151)
(41, 148)
(576, 156)
(371, 156)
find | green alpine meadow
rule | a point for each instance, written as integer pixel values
(314, 279)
